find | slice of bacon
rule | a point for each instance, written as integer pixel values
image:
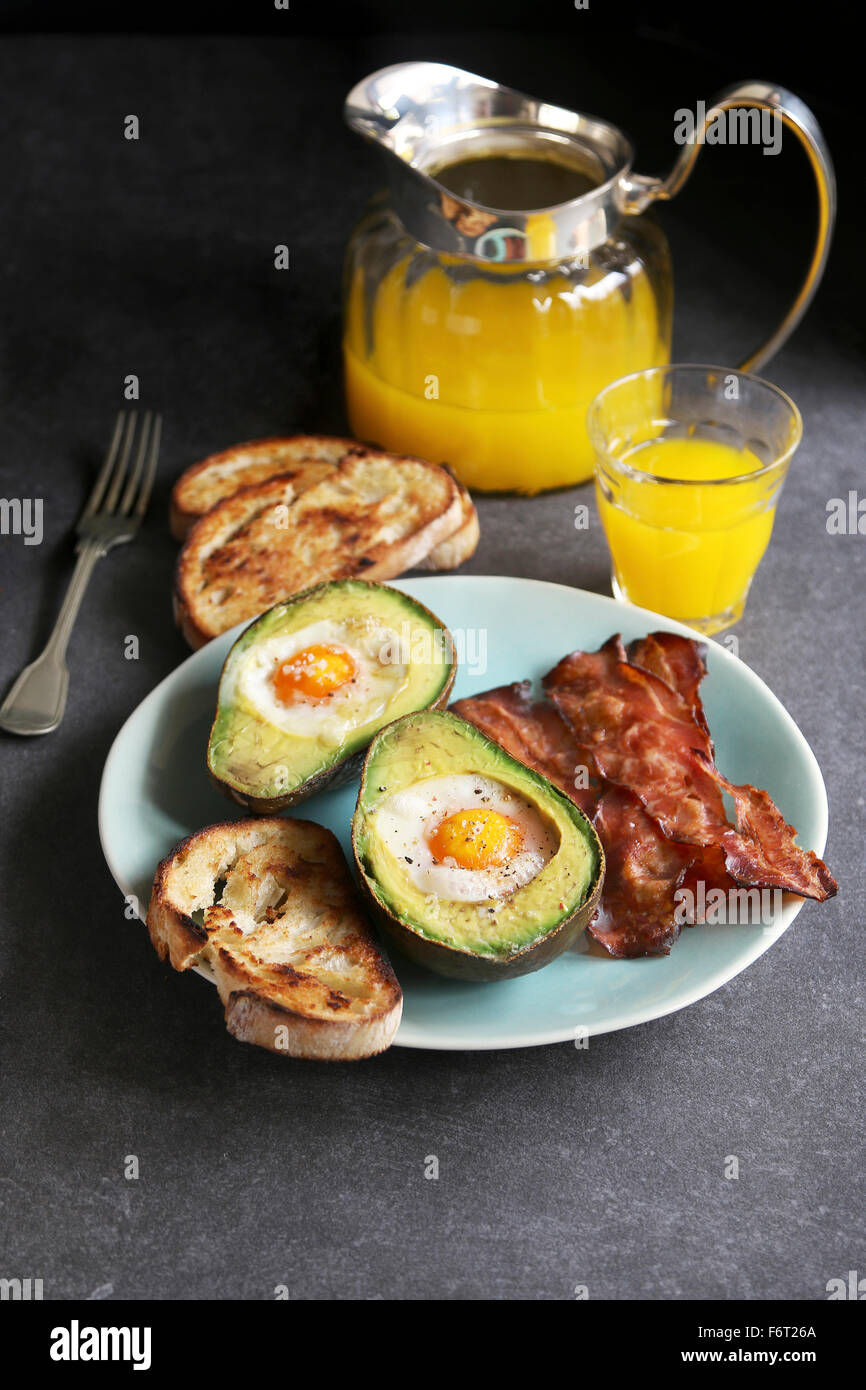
(762, 851)
(681, 663)
(678, 661)
(642, 736)
(708, 870)
(637, 913)
(533, 732)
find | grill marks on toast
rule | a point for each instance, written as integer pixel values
(306, 457)
(373, 516)
(287, 941)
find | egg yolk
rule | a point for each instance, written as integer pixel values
(313, 673)
(476, 839)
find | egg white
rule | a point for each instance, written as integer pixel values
(406, 820)
(378, 678)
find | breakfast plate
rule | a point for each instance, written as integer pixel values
(155, 791)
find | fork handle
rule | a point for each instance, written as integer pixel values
(37, 701)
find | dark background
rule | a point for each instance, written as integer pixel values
(156, 257)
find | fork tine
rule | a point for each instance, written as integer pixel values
(105, 472)
(132, 485)
(150, 471)
(117, 478)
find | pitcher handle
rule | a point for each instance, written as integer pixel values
(639, 191)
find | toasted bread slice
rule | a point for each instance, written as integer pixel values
(270, 907)
(305, 457)
(462, 543)
(372, 517)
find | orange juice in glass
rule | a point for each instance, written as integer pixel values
(690, 461)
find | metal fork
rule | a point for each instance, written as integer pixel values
(37, 700)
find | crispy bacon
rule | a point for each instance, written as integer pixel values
(635, 721)
(533, 732)
(637, 915)
(642, 736)
(679, 661)
(643, 868)
(709, 867)
(762, 850)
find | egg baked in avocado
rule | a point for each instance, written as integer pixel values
(307, 685)
(474, 865)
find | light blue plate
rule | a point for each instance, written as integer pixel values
(155, 791)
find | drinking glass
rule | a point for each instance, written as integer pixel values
(686, 541)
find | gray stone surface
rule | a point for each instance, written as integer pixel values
(558, 1167)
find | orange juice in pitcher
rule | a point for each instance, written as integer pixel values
(507, 276)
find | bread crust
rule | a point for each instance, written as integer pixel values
(458, 547)
(251, 1019)
(302, 975)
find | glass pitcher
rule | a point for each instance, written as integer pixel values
(506, 276)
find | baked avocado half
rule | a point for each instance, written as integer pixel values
(474, 865)
(307, 685)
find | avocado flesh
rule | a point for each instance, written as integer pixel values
(542, 917)
(268, 768)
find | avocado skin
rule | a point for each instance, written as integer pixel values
(339, 775)
(463, 965)
(450, 961)
(346, 769)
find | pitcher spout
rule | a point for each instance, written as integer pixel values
(483, 171)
